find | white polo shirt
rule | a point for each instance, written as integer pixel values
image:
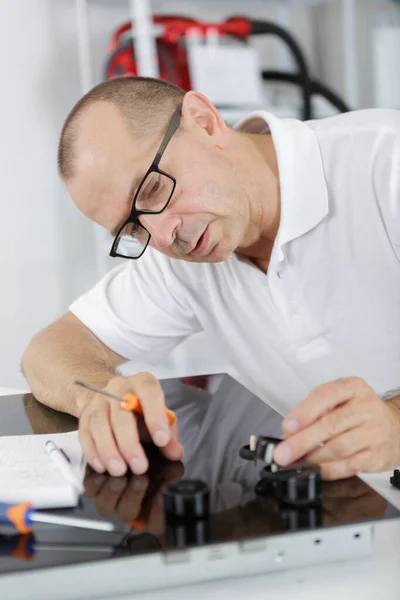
(329, 305)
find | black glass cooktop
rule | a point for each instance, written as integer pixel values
(214, 423)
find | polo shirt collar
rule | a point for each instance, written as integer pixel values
(303, 190)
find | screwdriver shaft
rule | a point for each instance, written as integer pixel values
(94, 388)
(129, 402)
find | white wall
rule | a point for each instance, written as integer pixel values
(47, 249)
(38, 84)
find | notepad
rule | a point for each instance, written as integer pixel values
(28, 474)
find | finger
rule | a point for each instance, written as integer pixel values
(366, 507)
(174, 449)
(172, 472)
(130, 504)
(327, 427)
(155, 520)
(324, 398)
(93, 484)
(151, 395)
(88, 446)
(342, 446)
(104, 440)
(342, 506)
(109, 495)
(126, 435)
(348, 488)
(347, 467)
(144, 435)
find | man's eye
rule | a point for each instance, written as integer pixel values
(155, 187)
(131, 229)
(152, 189)
(154, 193)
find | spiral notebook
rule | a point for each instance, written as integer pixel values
(28, 474)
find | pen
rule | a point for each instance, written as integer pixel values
(128, 402)
(59, 458)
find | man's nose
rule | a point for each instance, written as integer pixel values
(162, 229)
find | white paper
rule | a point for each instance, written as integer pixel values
(227, 75)
(27, 472)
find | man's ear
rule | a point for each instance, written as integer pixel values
(198, 111)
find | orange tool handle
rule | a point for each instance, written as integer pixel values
(137, 525)
(24, 549)
(17, 515)
(132, 403)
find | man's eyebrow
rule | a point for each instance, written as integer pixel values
(132, 190)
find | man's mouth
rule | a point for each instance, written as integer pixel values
(202, 242)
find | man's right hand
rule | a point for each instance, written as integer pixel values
(111, 437)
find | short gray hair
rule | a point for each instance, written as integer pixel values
(147, 105)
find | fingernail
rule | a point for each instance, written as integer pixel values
(137, 465)
(116, 485)
(98, 479)
(115, 467)
(283, 454)
(138, 484)
(161, 438)
(290, 426)
(97, 466)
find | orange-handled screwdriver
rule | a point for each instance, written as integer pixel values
(128, 402)
(22, 516)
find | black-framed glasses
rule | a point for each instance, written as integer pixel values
(152, 197)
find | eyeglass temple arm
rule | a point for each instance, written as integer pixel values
(173, 126)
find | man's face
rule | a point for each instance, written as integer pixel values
(207, 217)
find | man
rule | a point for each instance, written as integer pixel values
(281, 238)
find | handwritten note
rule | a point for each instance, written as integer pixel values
(28, 474)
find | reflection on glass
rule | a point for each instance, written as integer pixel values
(213, 427)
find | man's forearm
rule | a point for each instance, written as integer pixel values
(56, 357)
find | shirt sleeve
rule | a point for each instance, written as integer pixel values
(386, 175)
(139, 309)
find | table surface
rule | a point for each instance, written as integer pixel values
(379, 574)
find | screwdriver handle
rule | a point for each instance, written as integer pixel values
(130, 402)
(171, 416)
(17, 545)
(17, 515)
(137, 525)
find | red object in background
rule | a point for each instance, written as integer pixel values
(172, 58)
(200, 381)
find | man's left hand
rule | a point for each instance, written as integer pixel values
(345, 428)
